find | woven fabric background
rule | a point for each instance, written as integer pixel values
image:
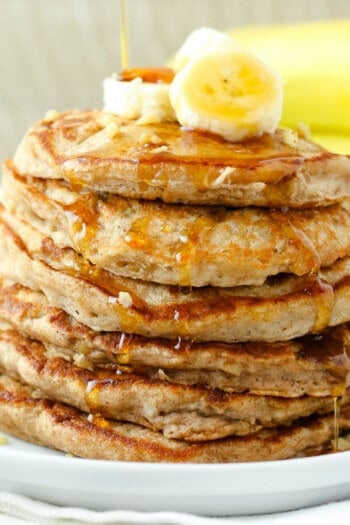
(55, 53)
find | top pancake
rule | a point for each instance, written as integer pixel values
(179, 165)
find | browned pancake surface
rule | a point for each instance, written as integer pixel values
(180, 245)
(315, 365)
(25, 415)
(192, 413)
(281, 309)
(177, 165)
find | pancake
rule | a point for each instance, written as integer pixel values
(178, 165)
(313, 365)
(283, 308)
(180, 245)
(184, 412)
(24, 414)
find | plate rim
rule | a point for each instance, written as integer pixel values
(298, 473)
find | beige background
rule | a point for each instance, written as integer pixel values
(55, 53)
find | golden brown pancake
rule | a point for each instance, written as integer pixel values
(177, 165)
(314, 365)
(24, 414)
(283, 308)
(180, 245)
(191, 413)
(140, 312)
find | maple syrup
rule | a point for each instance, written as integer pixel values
(323, 294)
(153, 75)
(123, 350)
(100, 421)
(137, 236)
(124, 40)
(324, 308)
(336, 411)
(82, 221)
(309, 258)
(93, 387)
(331, 350)
(92, 396)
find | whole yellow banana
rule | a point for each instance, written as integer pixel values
(314, 61)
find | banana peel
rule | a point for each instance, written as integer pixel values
(314, 61)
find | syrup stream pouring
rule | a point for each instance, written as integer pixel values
(124, 47)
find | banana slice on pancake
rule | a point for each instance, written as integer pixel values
(217, 88)
(138, 99)
(230, 93)
(198, 43)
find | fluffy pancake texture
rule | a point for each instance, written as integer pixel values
(177, 165)
(314, 365)
(179, 245)
(281, 309)
(169, 296)
(192, 413)
(25, 414)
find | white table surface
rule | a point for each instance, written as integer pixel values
(15, 510)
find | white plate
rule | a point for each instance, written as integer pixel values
(226, 489)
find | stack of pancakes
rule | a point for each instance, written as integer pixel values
(169, 296)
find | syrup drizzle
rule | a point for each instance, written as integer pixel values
(104, 378)
(333, 351)
(324, 308)
(330, 349)
(309, 259)
(124, 41)
(153, 75)
(336, 410)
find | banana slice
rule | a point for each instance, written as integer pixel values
(198, 43)
(230, 93)
(148, 102)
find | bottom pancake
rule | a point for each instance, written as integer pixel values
(24, 414)
(184, 412)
